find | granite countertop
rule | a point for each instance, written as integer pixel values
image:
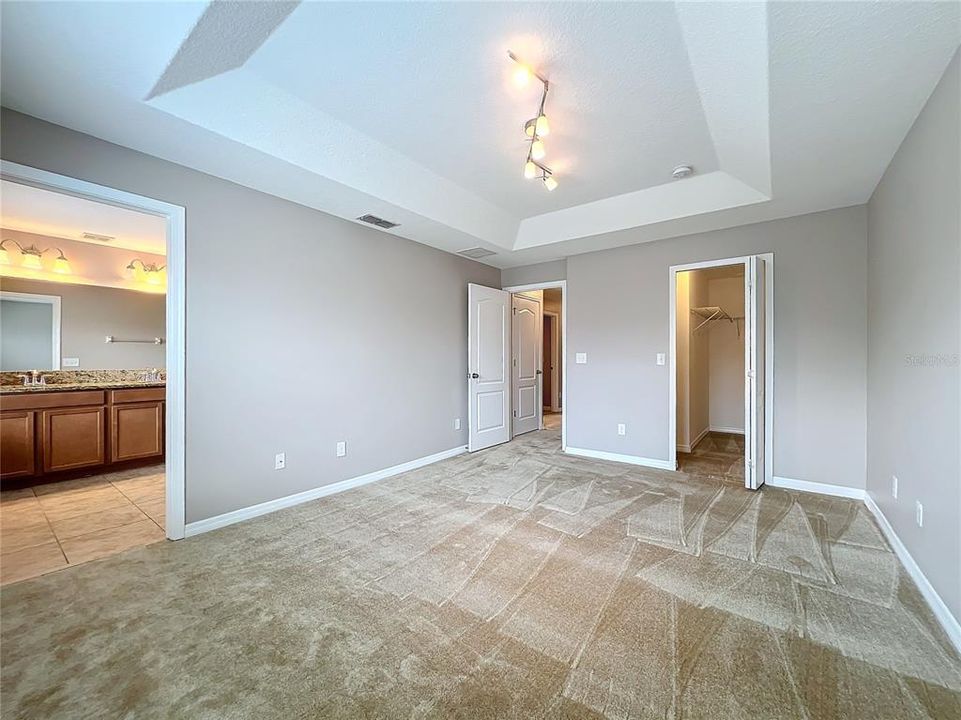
(94, 385)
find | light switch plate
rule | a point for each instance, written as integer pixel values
(71, 362)
(661, 358)
(280, 461)
(580, 358)
(342, 448)
(894, 486)
(457, 423)
(621, 429)
(919, 513)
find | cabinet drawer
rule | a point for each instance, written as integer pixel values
(17, 446)
(133, 395)
(38, 400)
(73, 438)
(137, 431)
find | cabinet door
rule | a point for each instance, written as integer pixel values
(17, 447)
(137, 431)
(73, 438)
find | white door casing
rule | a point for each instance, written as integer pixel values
(526, 340)
(756, 372)
(488, 366)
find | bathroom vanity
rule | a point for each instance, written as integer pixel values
(48, 431)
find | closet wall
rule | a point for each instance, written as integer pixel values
(726, 356)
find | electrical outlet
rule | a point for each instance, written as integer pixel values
(661, 358)
(342, 448)
(580, 358)
(894, 486)
(457, 423)
(280, 461)
(621, 429)
(71, 362)
(919, 513)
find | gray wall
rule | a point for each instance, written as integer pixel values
(89, 313)
(26, 335)
(530, 274)
(302, 329)
(618, 313)
(914, 314)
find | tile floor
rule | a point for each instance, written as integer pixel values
(52, 526)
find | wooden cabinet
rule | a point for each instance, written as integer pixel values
(73, 438)
(17, 443)
(73, 430)
(137, 431)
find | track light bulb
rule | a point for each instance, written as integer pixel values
(537, 149)
(530, 170)
(522, 75)
(550, 183)
(541, 127)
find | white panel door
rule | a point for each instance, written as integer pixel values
(755, 364)
(488, 366)
(526, 342)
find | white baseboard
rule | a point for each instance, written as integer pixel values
(235, 516)
(816, 487)
(617, 457)
(950, 623)
(729, 430)
(694, 442)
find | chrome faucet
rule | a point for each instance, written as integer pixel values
(34, 378)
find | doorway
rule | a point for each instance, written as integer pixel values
(516, 377)
(160, 403)
(722, 337)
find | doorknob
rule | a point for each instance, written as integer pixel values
(474, 375)
(540, 372)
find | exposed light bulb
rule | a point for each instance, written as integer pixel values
(529, 128)
(537, 149)
(541, 127)
(522, 75)
(550, 183)
(530, 170)
(32, 261)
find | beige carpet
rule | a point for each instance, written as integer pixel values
(513, 583)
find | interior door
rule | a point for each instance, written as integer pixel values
(755, 364)
(488, 379)
(526, 364)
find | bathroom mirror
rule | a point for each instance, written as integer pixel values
(29, 331)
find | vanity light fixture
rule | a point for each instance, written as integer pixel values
(148, 272)
(30, 257)
(535, 129)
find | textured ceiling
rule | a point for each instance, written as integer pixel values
(406, 110)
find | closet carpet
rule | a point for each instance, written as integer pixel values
(513, 583)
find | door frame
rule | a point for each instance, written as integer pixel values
(54, 302)
(673, 270)
(562, 285)
(175, 217)
(555, 357)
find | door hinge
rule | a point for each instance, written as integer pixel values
(514, 413)
(750, 374)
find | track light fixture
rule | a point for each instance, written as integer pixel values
(536, 128)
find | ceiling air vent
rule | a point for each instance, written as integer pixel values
(379, 222)
(98, 238)
(476, 253)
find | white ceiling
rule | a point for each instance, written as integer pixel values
(406, 110)
(42, 212)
